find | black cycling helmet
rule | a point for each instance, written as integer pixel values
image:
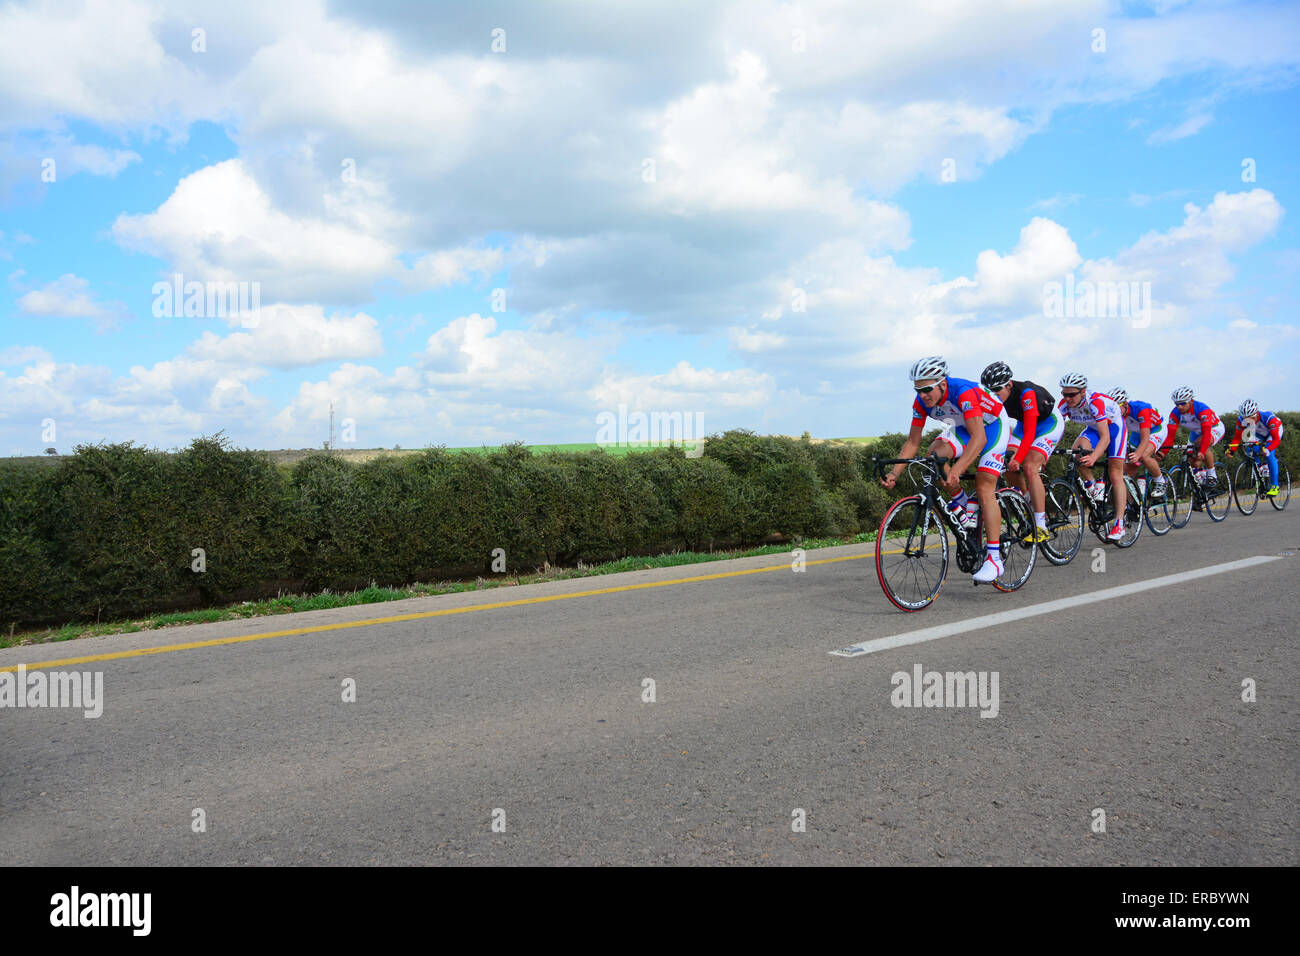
(995, 376)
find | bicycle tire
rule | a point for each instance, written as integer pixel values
(1132, 516)
(1157, 517)
(1221, 497)
(1064, 521)
(1017, 557)
(1241, 491)
(898, 527)
(1180, 495)
(1283, 488)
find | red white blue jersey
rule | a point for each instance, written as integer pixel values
(1096, 408)
(1267, 430)
(1201, 416)
(1140, 416)
(963, 398)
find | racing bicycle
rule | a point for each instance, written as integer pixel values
(1251, 481)
(919, 535)
(1213, 496)
(1067, 498)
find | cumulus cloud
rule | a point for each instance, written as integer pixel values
(289, 336)
(69, 296)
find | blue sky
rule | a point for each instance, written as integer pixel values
(797, 248)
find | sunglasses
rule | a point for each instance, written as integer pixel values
(1070, 394)
(927, 389)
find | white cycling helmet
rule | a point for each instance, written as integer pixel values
(1074, 380)
(1182, 393)
(1119, 395)
(932, 366)
(1248, 408)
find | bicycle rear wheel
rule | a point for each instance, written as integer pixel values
(1245, 488)
(1017, 556)
(1178, 496)
(912, 554)
(1064, 521)
(1219, 495)
(1283, 488)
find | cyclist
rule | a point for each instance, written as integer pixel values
(1249, 415)
(1033, 409)
(1146, 432)
(976, 429)
(1106, 432)
(1204, 429)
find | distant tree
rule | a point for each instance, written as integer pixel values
(397, 448)
(51, 451)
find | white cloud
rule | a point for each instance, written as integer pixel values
(289, 336)
(219, 225)
(21, 354)
(687, 389)
(1188, 127)
(69, 296)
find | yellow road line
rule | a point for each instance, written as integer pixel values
(217, 642)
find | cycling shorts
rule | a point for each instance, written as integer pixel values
(1118, 445)
(1046, 435)
(993, 459)
(1156, 437)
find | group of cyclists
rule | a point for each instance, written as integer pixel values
(987, 427)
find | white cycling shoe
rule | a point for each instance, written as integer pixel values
(990, 570)
(1116, 533)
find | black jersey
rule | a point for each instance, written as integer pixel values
(1025, 396)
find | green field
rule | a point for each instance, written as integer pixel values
(290, 456)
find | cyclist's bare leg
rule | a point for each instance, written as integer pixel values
(1082, 443)
(1153, 466)
(1115, 468)
(1017, 478)
(1031, 468)
(990, 513)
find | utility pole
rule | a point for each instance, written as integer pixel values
(331, 426)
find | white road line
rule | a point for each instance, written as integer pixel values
(991, 620)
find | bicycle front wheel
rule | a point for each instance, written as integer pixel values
(1064, 522)
(1218, 496)
(912, 554)
(1283, 488)
(1178, 496)
(1153, 507)
(1018, 555)
(1245, 488)
(1132, 515)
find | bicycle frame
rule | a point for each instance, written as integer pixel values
(970, 551)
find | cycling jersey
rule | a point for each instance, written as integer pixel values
(963, 398)
(1201, 423)
(1141, 415)
(1044, 439)
(1096, 408)
(1030, 405)
(1029, 402)
(1267, 424)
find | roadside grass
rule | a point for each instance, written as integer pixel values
(293, 603)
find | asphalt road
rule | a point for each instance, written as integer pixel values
(1131, 705)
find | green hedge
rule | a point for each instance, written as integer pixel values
(111, 530)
